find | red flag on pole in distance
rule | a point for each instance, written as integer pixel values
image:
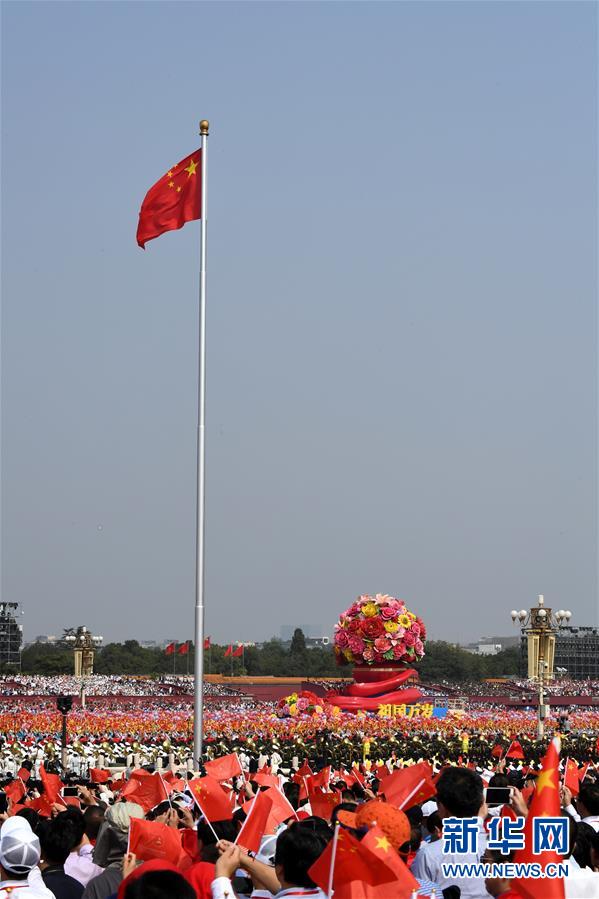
(237, 652)
(99, 775)
(545, 803)
(254, 826)
(409, 786)
(350, 860)
(146, 789)
(170, 649)
(172, 201)
(206, 642)
(229, 650)
(224, 768)
(211, 799)
(153, 839)
(184, 648)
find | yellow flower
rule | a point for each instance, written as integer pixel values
(293, 709)
(348, 655)
(318, 709)
(370, 609)
(405, 621)
(412, 616)
(391, 627)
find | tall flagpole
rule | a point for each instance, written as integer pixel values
(198, 699)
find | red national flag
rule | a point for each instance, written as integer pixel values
(184, 648)
(319, 780)
(172, 201)
(24, 774)
(224, 768)
(229, 650)
(148, 790)
(352, 860)
(546, 802)
(571, 779)
(170, 649)
(237, 652)
(583, 771)
(322, 804)
(207, 643)
(281, 809)
(15, 791)
(497, 751)
(153, 839)
(409, 786)
(174, 782)
(265, 780)
(52, 785)
(254, 826)
(211, 799)
(72, 800)
(305, 770)
(40, 805)
(404, 885)
(515, 751)
(99, 775)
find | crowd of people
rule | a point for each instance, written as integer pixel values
(290, 821)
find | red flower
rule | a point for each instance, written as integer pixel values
(372, 628)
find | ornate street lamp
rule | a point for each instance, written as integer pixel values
(540, 625)
(84, 645)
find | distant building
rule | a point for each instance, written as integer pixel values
(576, 653)
(490, 646)
(11, 634)
(46, 638)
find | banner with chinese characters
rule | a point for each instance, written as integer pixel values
(417, 710)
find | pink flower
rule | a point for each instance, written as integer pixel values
(341, 639)
(409, 638)
(382, 644)
(356, 644)
(419, 647)
(368, 654)
(388, 613)
(415, 628)
(398, 651)
(302, 704)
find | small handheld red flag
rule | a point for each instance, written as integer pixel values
(212, 800)
(153, 839)
(172, 201)
(254, 825)
(224, 768)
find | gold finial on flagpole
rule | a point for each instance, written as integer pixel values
(204, 126)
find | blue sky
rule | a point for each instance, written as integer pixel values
(402, 324)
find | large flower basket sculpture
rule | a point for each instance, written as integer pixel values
(382, 639)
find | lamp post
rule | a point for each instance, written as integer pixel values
(64, 705)
(540, 625)
(84, 645)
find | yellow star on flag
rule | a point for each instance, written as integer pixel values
(383, 843)
(546, 779)
(191, 168)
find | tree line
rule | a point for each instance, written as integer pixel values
(442, 661)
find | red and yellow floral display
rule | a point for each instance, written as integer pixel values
(379, 629)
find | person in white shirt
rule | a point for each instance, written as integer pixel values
(459, 795)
